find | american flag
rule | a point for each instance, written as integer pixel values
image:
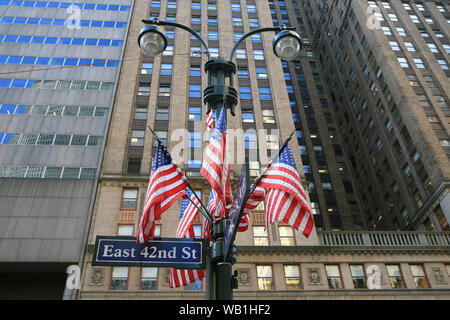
(286, 199)
(258, 195)
(164, 187)
(216, 165)
(211, 208)
(209, 121)
(188, 213)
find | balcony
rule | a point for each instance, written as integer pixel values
(383, 239)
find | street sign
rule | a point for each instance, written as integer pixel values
(161, 252)
(236, 210)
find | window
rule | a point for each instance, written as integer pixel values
(258, 54)
(395, 276)
(358, 276)
(248, 117)
(409, 46)
(419, 63)
(140, 113)
(166, 69)
(162, 113)
(260, 237)
(268, 116)
(334, 277)
(237, 22)
(242, 73)
(419, 276)
(443, 64)
(137, 138)
(245, 93)
(119, 278)
(261, 73)
(147, 68)
(265, 279)
(129, 199)
(264, 94)
(241, 54)
(403, 62)
(401, 31)
(195, 91)
(286, 236)
(143, 89)
(163, 91)
(149, 277)
(292, 276)
(195, 113)
(394, 45)
(125, 230)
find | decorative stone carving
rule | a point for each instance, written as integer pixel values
(98, 277)
(244, 277)
(438, 276)
(314, 276)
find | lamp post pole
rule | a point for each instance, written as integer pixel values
(220, 93)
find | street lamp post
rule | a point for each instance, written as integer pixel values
(219, 92)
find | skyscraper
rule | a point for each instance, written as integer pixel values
(165, 94)
(59, 64)
(386, 68)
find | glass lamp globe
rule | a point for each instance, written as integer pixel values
(151, 41)
(287, 45)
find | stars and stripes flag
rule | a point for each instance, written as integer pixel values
(209, 121)
(216, 165)
(165, 186)
(211, 208)
(188, 213)
(286, 198)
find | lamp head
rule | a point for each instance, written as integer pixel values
(287, 45)
(151, 41)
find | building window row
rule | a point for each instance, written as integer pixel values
(62, 22)
(56, 84)
(80, 62)
(46, 139)
(46, 172)
(10, 38)
(54, 110)
(64, 5)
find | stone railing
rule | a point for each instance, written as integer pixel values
(382, 238)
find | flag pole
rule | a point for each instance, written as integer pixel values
(270, 163)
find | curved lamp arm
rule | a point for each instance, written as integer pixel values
(158, 22)
(260, 30)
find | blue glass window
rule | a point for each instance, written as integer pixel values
(9, 38)
(19, 83)
(41, 4)
(58, 22)
(195, 91)
(85, 62)
(112, 63)
(3, 59)
(57, 61)
(46, 21)
(33, 20)
(14, 59)
(20, 20)
(113, 7)
(20, 109)
(99, 62)
(101, 6)
(4, 83)
(37, 40)
(7, 19)
(29, 60)
(117, 43)
(89, 6)
(1, 137)
(24, 39)
(64, 4)
(121, 24)
(78, 41)
(104, 42)
(43, 60)
(28, 3)
(53, 5)
(264, 94)
(71, 62)
(85, 23)
(29, 83)
(15, 3)
(65, 40)
(108, 24)
(245, 93)
(2, 37)
(51, 40)
(91, 42)
(7, 109)
(125, 8)
(96, 23)
(8, 137)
